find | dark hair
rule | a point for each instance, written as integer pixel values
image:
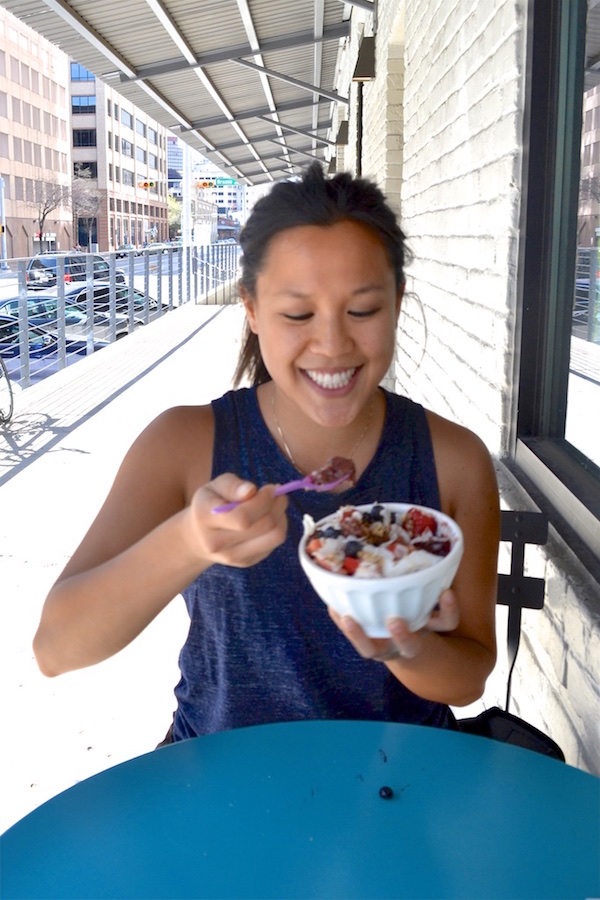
(311, 200)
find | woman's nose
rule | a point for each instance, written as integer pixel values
(331, 336)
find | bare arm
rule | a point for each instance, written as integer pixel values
(153, 536)
(451, 666)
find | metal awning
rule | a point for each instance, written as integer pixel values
(250, 84)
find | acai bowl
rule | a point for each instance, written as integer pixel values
(381, 560)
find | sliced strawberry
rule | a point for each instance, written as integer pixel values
(313, 545)
(417, 522)
(351, 564)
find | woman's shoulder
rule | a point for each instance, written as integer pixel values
(463, 462)
(179, 423)
(175, 449)
(457, 436)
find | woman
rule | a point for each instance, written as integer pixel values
(322, 284)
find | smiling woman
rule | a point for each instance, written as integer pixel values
(322, 282)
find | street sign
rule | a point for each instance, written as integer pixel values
(221, 182)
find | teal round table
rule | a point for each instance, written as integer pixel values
(316, 809)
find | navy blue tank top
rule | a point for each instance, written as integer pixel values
(261, 646)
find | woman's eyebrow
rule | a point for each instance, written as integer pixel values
(369, 288)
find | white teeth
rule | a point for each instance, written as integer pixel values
(326, 380)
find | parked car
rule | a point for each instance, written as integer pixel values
(42, 311)
(43, 349)
(126, 249)
(156, 247)
(101, 295)
(41, 343)
(42, 269)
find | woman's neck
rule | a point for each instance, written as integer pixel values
(307, 445)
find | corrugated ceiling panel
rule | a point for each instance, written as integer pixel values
(134, 33)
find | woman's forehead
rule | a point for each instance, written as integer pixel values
(311, 243)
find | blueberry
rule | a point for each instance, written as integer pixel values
(375, 514)
(352, 547)
(329, 532)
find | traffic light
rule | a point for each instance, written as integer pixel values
(1, 229)
(146, 184)
(205, 184)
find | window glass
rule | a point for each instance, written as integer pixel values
(80, 73)
(582, 428)
(83, 104)
(85, 169)
(84, 137)
(558, 427)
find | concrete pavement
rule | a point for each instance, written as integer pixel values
(57, 460)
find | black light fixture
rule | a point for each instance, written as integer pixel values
(365, 64)
(342, 135)
(363, 71)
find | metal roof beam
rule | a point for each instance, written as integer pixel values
(84, 30)
(308, 134)
(261, 138)
(331, 95)
(252, 159)
(257, 139)
(304, 152)
(253, 113)
(223, 54)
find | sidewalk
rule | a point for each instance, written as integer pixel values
(57, 460)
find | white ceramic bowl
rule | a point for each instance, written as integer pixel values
(371, 601)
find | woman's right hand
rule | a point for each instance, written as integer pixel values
(243, 536)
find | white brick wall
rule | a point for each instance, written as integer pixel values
(460, 203)
(443, 138)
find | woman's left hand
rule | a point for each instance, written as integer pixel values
(403, 644)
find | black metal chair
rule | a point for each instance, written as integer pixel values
(517, 591)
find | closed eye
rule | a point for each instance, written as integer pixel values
(363, 314)
(302, 317)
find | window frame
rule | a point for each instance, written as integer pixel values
(561, 480)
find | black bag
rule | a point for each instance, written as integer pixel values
(502, 726)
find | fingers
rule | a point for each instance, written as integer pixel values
(446, 615)
(244, 535)
(402, 643)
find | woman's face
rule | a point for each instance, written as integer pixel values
(325, 313)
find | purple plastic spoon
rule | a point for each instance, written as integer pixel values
(336, 471)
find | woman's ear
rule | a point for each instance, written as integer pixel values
(249, 306)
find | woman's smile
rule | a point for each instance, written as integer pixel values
(331, 380)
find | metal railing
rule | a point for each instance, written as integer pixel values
(56, 308)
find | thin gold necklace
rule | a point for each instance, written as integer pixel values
(286, 446)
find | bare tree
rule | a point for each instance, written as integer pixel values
(86, 201)
(47, 196)
(589, 189)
